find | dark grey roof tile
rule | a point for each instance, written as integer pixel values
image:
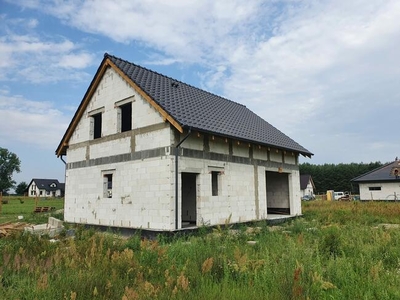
(204, 111)
(384, 173)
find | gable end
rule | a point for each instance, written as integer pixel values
(107, 63)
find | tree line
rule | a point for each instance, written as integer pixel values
(337, 176)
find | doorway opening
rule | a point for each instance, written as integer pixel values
(277, 185)
(189, 202)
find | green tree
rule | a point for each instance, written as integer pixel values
(336, 177)
(21, 187)
(9, 163)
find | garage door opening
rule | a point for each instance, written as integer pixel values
(277, 193)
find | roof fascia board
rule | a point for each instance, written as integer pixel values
(79, 113)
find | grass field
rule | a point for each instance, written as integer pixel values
(24, 206)
(337, 250)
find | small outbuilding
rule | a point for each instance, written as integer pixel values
(382, 183)
(147, 151)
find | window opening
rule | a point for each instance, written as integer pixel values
(374, 188)
(97, 126)
(107, 181)
(126, 117)
(214, 183)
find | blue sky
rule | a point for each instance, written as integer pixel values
(326, 73)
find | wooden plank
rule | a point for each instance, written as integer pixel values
(7, 228)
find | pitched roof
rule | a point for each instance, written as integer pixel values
(384, 173)
(185, 106)
(304, 179)
(45, 184)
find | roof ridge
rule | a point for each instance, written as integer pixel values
(106, 55)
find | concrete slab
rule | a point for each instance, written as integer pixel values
(52, 228)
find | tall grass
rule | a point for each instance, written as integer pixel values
(336, 251)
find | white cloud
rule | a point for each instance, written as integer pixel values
(30, 122)
(76, 61)
(192, 31)
(38, 59)
(314, 69)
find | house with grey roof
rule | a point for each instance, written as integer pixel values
(307, 185)
(144, 150)
(382, 183)
(45, 188)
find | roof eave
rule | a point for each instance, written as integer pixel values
(304, 153)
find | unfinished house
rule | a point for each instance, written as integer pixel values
(147, 151)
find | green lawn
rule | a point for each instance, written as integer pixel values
(24, 206)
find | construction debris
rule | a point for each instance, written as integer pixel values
(9, 227)
(52, 228)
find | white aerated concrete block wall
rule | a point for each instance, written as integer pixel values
(235, 199)
(110, 148)
(275, 155)
(290, 158)
(142, 195)
(295, 193)
(240, 150)
(387, 192)
(77, 154)
(219, 145)
(111, 89)
(260, 153)
(153, 139)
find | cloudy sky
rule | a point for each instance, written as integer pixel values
(326, 73)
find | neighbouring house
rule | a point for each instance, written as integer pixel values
(45, 188)
(144, 150)
(382, 183)
(307, 186)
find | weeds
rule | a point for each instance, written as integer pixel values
(349, 257)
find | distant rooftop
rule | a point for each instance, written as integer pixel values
(384, 173)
